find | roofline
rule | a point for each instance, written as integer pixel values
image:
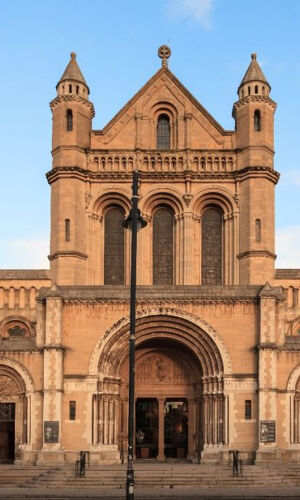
(184, 89)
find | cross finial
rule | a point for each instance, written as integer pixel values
(164, 53)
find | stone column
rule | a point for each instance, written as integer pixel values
(191, 429)
(53, 384)
(188, 249)
(161, 429)
(267, 375)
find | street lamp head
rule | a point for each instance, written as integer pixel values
(141, 223)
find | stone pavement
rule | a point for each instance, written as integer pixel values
(151, 493)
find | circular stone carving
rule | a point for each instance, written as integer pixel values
(164, 53)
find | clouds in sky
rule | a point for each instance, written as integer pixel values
(288, 247)
(26, 253)
(198, 11)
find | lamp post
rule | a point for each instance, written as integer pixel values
(134, 222)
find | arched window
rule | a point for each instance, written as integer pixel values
(69, 120)
(70, 89)
(211, 272)
(163, 246)
(256, 89)
(77, 89)
(257, 120)
(163, 132)
(114, 247)
(249, 90)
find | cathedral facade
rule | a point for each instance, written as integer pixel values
(218, 326)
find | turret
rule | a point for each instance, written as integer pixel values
(72, 122)
(254, 118)
(72, 118)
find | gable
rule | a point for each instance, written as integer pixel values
(135, 124)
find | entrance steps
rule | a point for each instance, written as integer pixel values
(152, 475)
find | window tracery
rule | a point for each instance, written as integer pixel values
(163, 246)
(212, 222)
(15, 329)
(114, 246)
(163, 132)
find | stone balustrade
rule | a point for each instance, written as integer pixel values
(154, 161)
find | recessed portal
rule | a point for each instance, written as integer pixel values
(7, 432)
(176, 428)
(146, 428)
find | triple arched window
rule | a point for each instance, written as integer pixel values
(163, 246)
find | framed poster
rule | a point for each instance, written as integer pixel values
(267, 431)
(51, 429)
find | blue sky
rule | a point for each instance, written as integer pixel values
(116, 44)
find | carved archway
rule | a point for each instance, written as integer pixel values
(13, 410)
(182, 344)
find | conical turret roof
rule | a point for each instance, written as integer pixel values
(254, 73)
(72, 72)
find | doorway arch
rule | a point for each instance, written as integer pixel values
(14, 410)
(187, 359)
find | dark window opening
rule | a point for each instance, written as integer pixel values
(67, 230)
(257, 121)
(69, 120)
(258, 230)
(249, 90)
(163, 132)
(256, 89)
(77, 89)
(72, 410)
(70, 89)
(211, 272)
(163, 246)
(248, 409)
(114, 247)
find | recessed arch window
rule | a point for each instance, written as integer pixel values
(67, 230)
(212, 246)
(114, 247)
(163, 132)
(257, 120)
(256, 89)
(258, 230)
(163, 246)
(69, 120)
(14, 329)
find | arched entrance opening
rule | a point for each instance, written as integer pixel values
(181, 409)
(168, 390)
(13, 413)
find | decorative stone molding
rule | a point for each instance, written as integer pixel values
(21, 370)
(72, 98)
(67, 253)
(116, 332)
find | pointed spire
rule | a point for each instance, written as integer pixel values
(73, 73)
(254, 73)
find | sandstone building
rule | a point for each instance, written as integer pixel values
(218, 327)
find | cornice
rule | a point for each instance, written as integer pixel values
(257, 253)
(155, 294)
(85, 174)
(67, 253)
(72, 98)
(254, 98)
